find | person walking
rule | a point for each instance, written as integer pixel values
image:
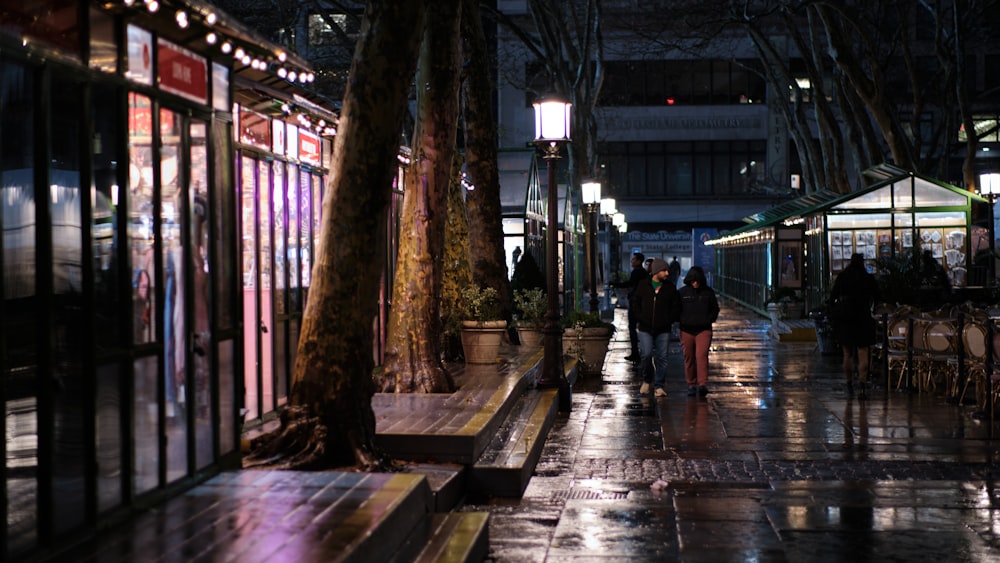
(675, 271)
(699, 309)
(854, 293)
(656, 309)
(637, 275)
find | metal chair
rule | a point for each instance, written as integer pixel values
(935, 353)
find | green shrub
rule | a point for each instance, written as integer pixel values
(530, 306)
(481, 304)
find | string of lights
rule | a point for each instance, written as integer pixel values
(228, 36)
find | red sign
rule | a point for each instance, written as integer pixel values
(309, 148)
(182, 72)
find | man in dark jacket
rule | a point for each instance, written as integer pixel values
(638, 274)
(656, 308)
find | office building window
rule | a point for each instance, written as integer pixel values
(704, 169)
(679, 82)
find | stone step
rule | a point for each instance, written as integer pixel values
(458, 537)
(269, 515)
(506, 466)
(453, 427)
(447, 482)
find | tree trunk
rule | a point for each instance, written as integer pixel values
(413, 352)
(489, 261)
(330, 422)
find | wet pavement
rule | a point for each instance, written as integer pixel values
(778, 463)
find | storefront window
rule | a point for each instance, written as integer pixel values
(280, 230)
(145, 427)
(139, 67)
(292, 246)
(220, 87)
(103, 48)
(140, 218)
(109, 300)
(200, 294)
(255, 129)
(175, 350)
(20, 319)
(305, 229)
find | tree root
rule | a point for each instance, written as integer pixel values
(304, 442)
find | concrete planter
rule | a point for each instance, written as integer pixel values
(589, 346)
(530, 337)
(481, 341)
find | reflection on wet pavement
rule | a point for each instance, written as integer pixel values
(778, 463)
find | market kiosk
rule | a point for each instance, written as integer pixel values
(798, 248)
(151, 151)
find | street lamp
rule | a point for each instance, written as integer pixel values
(618, 222)
(989, 187)
(607, 210)
(592, 199)
(551, 132)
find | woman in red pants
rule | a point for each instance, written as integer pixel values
(699, 309)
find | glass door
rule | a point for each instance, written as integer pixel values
(251, 318)
(258, 308)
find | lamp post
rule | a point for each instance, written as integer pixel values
(551, 132)
(618, 220)
(607, 210)
(989, 187)
(592, 199)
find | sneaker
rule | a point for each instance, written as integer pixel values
(644, 389)
(660, 392)
(692, 391)
(702, 391)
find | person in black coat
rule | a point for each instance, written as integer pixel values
(699, 309)
(854, 294)
(637, 275)
(656, 309)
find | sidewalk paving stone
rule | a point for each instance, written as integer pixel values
(777, 463)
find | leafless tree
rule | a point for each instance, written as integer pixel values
(878, 80)
(564, 37)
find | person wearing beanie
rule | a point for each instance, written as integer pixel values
(699, 309)
(656, 308)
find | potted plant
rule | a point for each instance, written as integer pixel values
(586, 337)
(530, 306)
(482, 324)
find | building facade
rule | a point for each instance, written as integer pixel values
(161, 173)
(691, 135)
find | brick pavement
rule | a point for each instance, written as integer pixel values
(778, 463)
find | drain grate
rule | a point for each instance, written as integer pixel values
(586, 494)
